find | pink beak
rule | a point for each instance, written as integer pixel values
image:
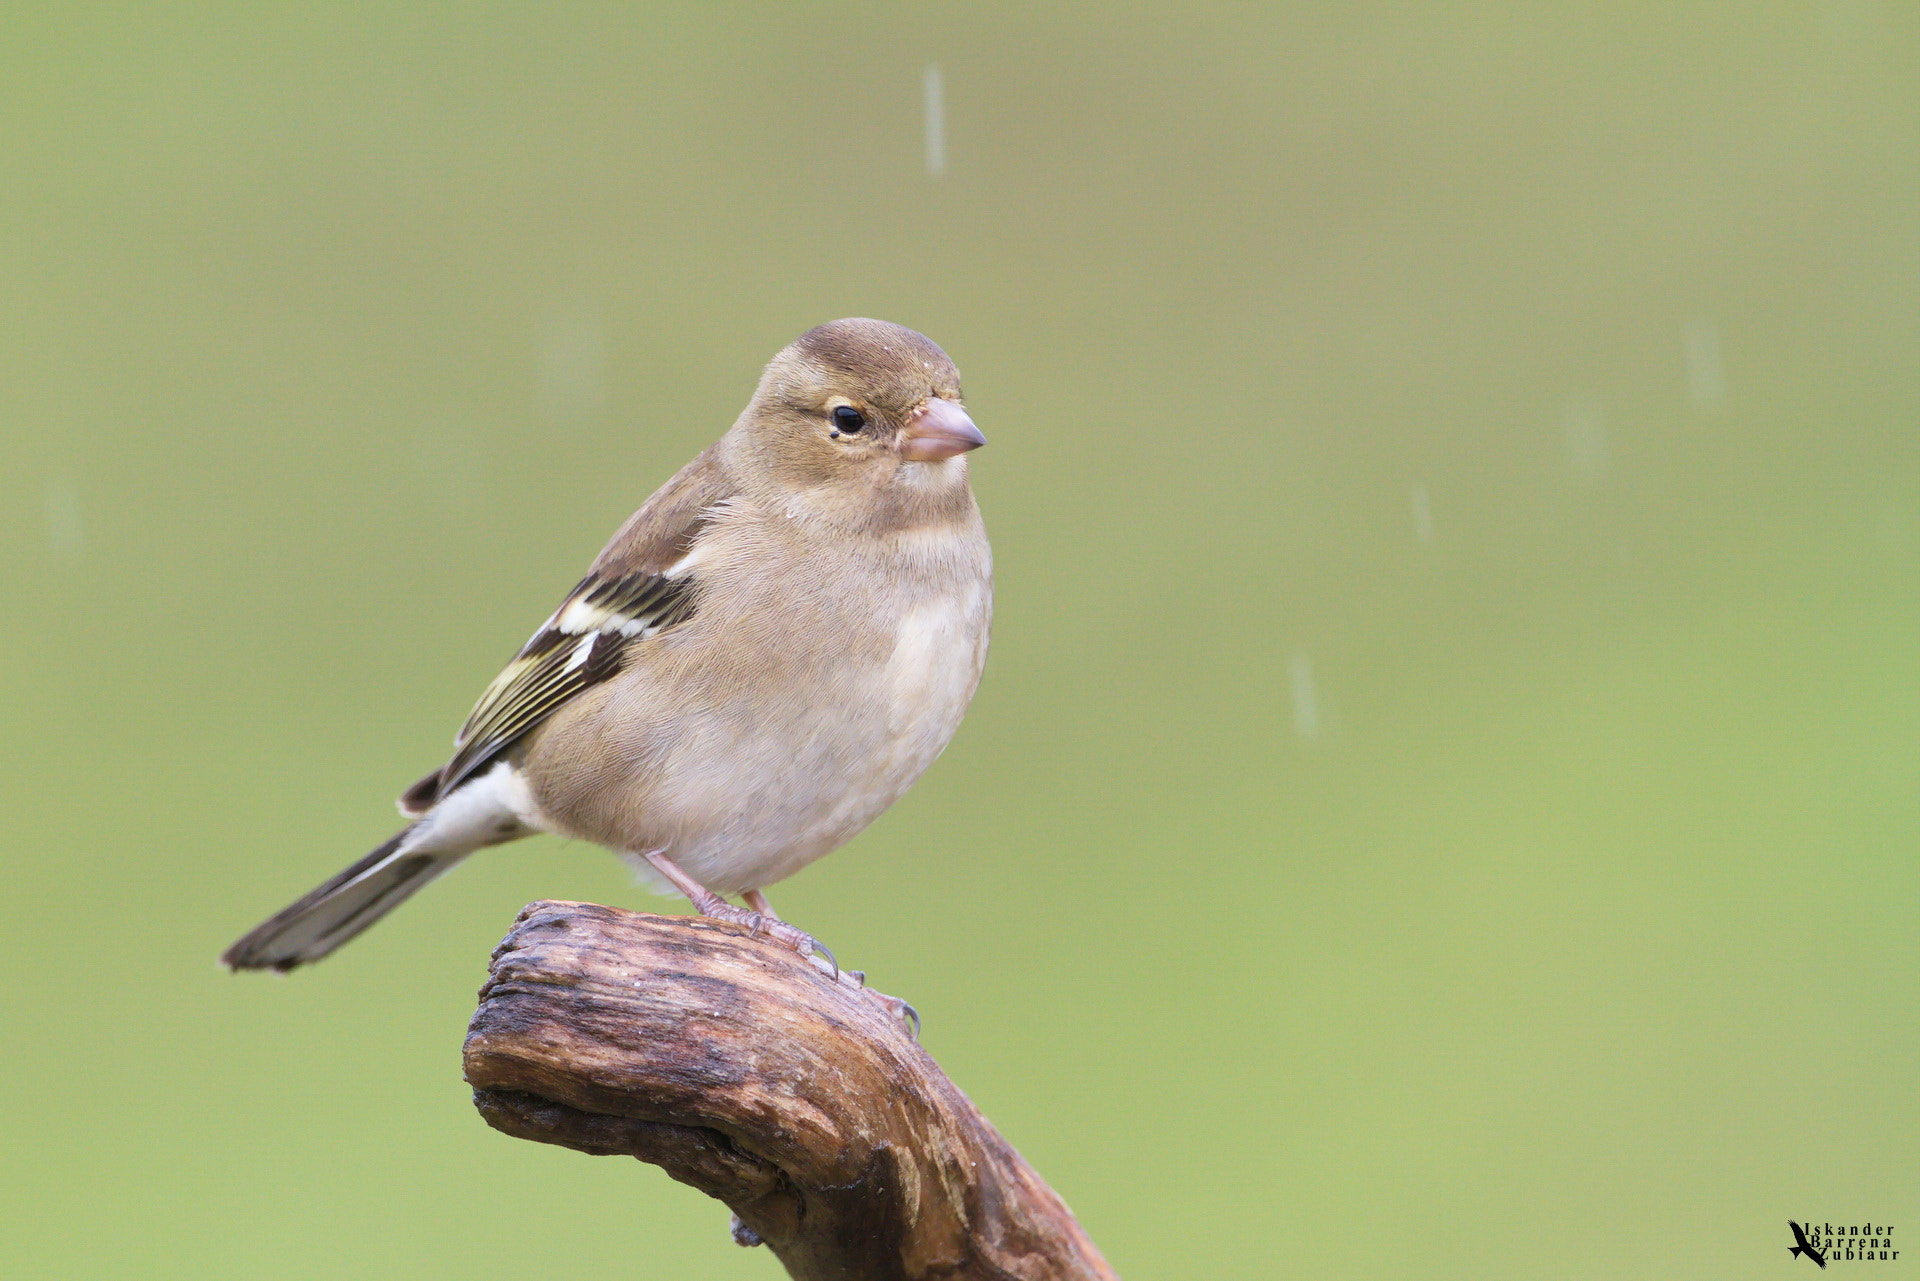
(940, 430)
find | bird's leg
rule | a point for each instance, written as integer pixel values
(707, 903)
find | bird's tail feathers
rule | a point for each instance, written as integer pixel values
(341, 908)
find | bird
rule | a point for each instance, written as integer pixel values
(764, 657)
(1805, 1246)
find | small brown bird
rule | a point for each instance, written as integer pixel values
(764, 658)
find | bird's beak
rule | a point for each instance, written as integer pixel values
(939, 430)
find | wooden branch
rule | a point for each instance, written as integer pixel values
(799, 1099)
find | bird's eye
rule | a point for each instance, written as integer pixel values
(848, 420)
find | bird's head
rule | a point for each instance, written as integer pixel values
(861, 420)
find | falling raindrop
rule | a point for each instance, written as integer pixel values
(934, 94)
(572, 356)
(65, 532)
(1705, 380)
(1422, 514)
(1587, 450)
(1306, 698)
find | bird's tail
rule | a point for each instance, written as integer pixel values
(337, 910)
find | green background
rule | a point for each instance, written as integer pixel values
(1442, 801)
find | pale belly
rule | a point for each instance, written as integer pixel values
(743, 789)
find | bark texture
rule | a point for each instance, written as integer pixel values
(800, 1100)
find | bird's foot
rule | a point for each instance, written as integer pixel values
(899, 1009)
(799, 940)
(757, 916)
(773, 927)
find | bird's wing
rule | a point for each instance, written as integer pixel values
(643, 583)
(580, 646)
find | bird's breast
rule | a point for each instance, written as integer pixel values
(935, 661)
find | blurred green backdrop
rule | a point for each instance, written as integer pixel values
(1442, 802)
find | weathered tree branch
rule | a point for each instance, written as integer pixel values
(801, 1101)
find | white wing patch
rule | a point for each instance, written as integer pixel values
(583, 651)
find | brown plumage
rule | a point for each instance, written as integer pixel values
(764, 657)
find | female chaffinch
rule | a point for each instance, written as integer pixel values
(765, 656)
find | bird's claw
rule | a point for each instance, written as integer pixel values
(898, 1008)
(895, 1006)
(802, 942)
(823, 949)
